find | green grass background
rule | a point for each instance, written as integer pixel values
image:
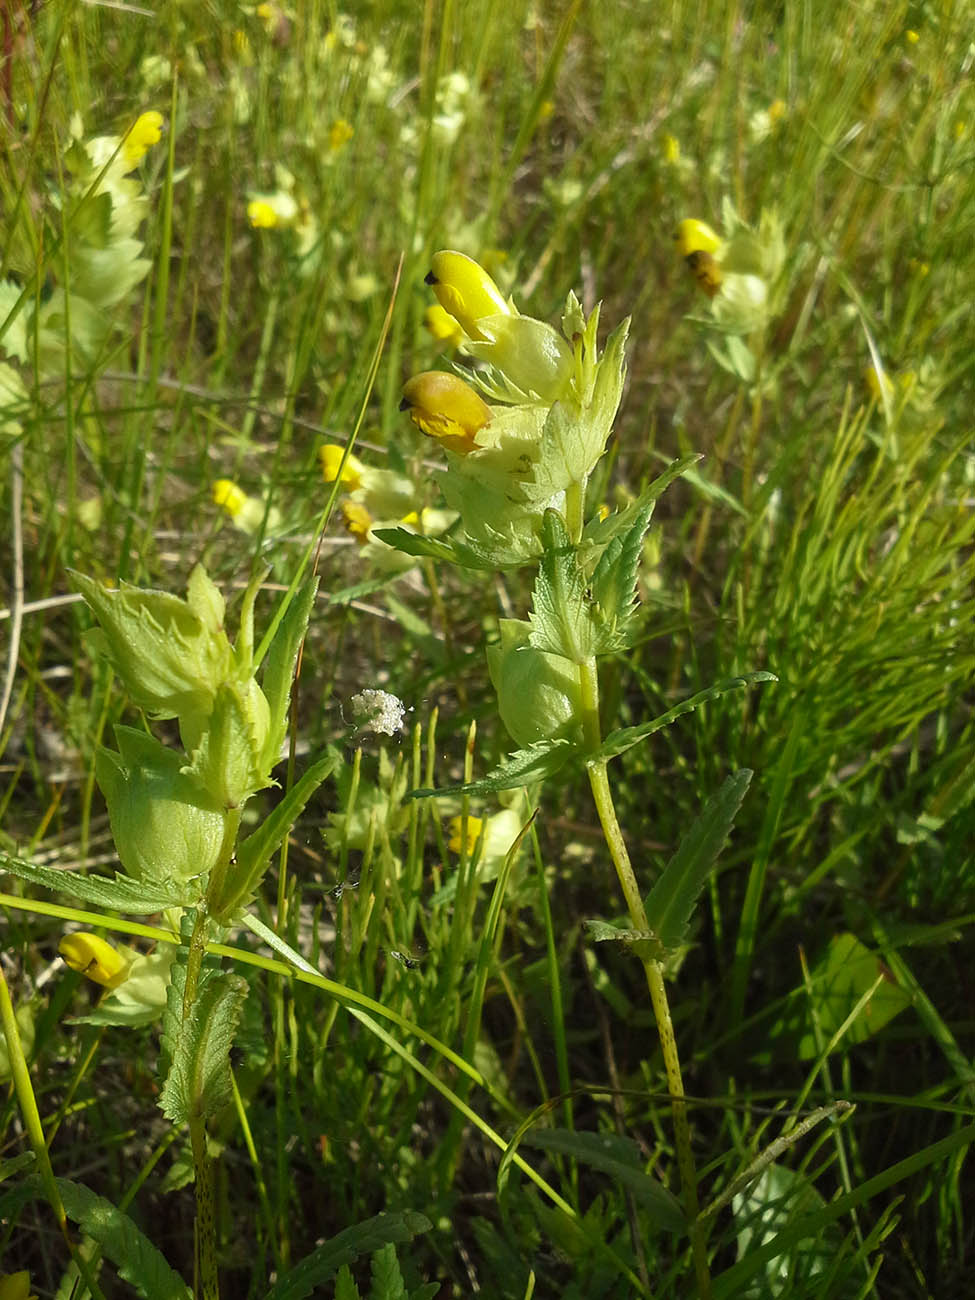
(826, 536)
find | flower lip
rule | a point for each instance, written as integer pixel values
(442, 406)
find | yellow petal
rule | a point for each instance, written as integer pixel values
(465, 290)
(94, 958)
(444, 407)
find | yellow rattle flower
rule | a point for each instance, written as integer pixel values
(229, 496)
(466, 291)
(443, 327)
(146, 131)
(697, 243)
(331, 459)
(94, 958)
(474, 827)
(444, 407)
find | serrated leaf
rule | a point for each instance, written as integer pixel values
(387, 1280)
(605, 931)
(613, 582)
(361, 1239)
(345, 1287)
(401, 539)
(228, 760)
(198, 1082)
(279, 666)
(523, 767)
(138, 1261)
(601, 531)
(671, 901)
(120, 894)
(620, 1157)
(618, 742)
(255, 852)
(561, 616)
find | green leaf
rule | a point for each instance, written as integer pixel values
(401, 539)
(120, 894)
(197, 1048)
(361, 1239)
(613, 582)
(561, 618)
(138, 1261)
(279, 666)
(387, 1280)
(228, 762)
(620, 1157)
(345, 1287)
(618, 742)
(605, 931)
(599, 532)
(523, 767)
(671, 901)
(255, 852)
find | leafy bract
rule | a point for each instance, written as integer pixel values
(561, 617)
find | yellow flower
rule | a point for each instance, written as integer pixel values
(229, 496)
(444, 407)
(331, 458)
(670, 147)
(466, 291)
(93, 957)
(261, 214)
(474, 827)
(340, 132)
(776, 111)
(443, 327)
(358, 520)
(16, 1286)
(146, 131)
(695, 236)
(911, 37)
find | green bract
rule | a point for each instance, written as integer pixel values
(165, 824)
(538, 693)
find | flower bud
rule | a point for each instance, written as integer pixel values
(94, 958)
(165, 825)
(444, 407)
(466, 291)
(539, 696)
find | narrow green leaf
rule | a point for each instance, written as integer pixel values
(401, 539)
(613, 582)
(619, 1157)
(255, 852)
(524, 767)
(671, 901)
(361, 1239)
(599, 532)
(561, 617)
(121, 894)
(198, 1081)
(279, 666)
(618, 742)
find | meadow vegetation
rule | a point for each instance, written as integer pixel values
(344, 1036)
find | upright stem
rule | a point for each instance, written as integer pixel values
(603, 797)
(206, 1232)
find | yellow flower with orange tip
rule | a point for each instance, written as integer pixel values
(16, 1286)
(444, 407)
(331, 458)
(146, 131)
(95, 958)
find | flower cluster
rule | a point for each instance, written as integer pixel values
(519, 455)
(175, 816)
(97, 267)
(530, 438)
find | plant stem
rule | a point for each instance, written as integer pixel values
(603, 797)
(206, 1235)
